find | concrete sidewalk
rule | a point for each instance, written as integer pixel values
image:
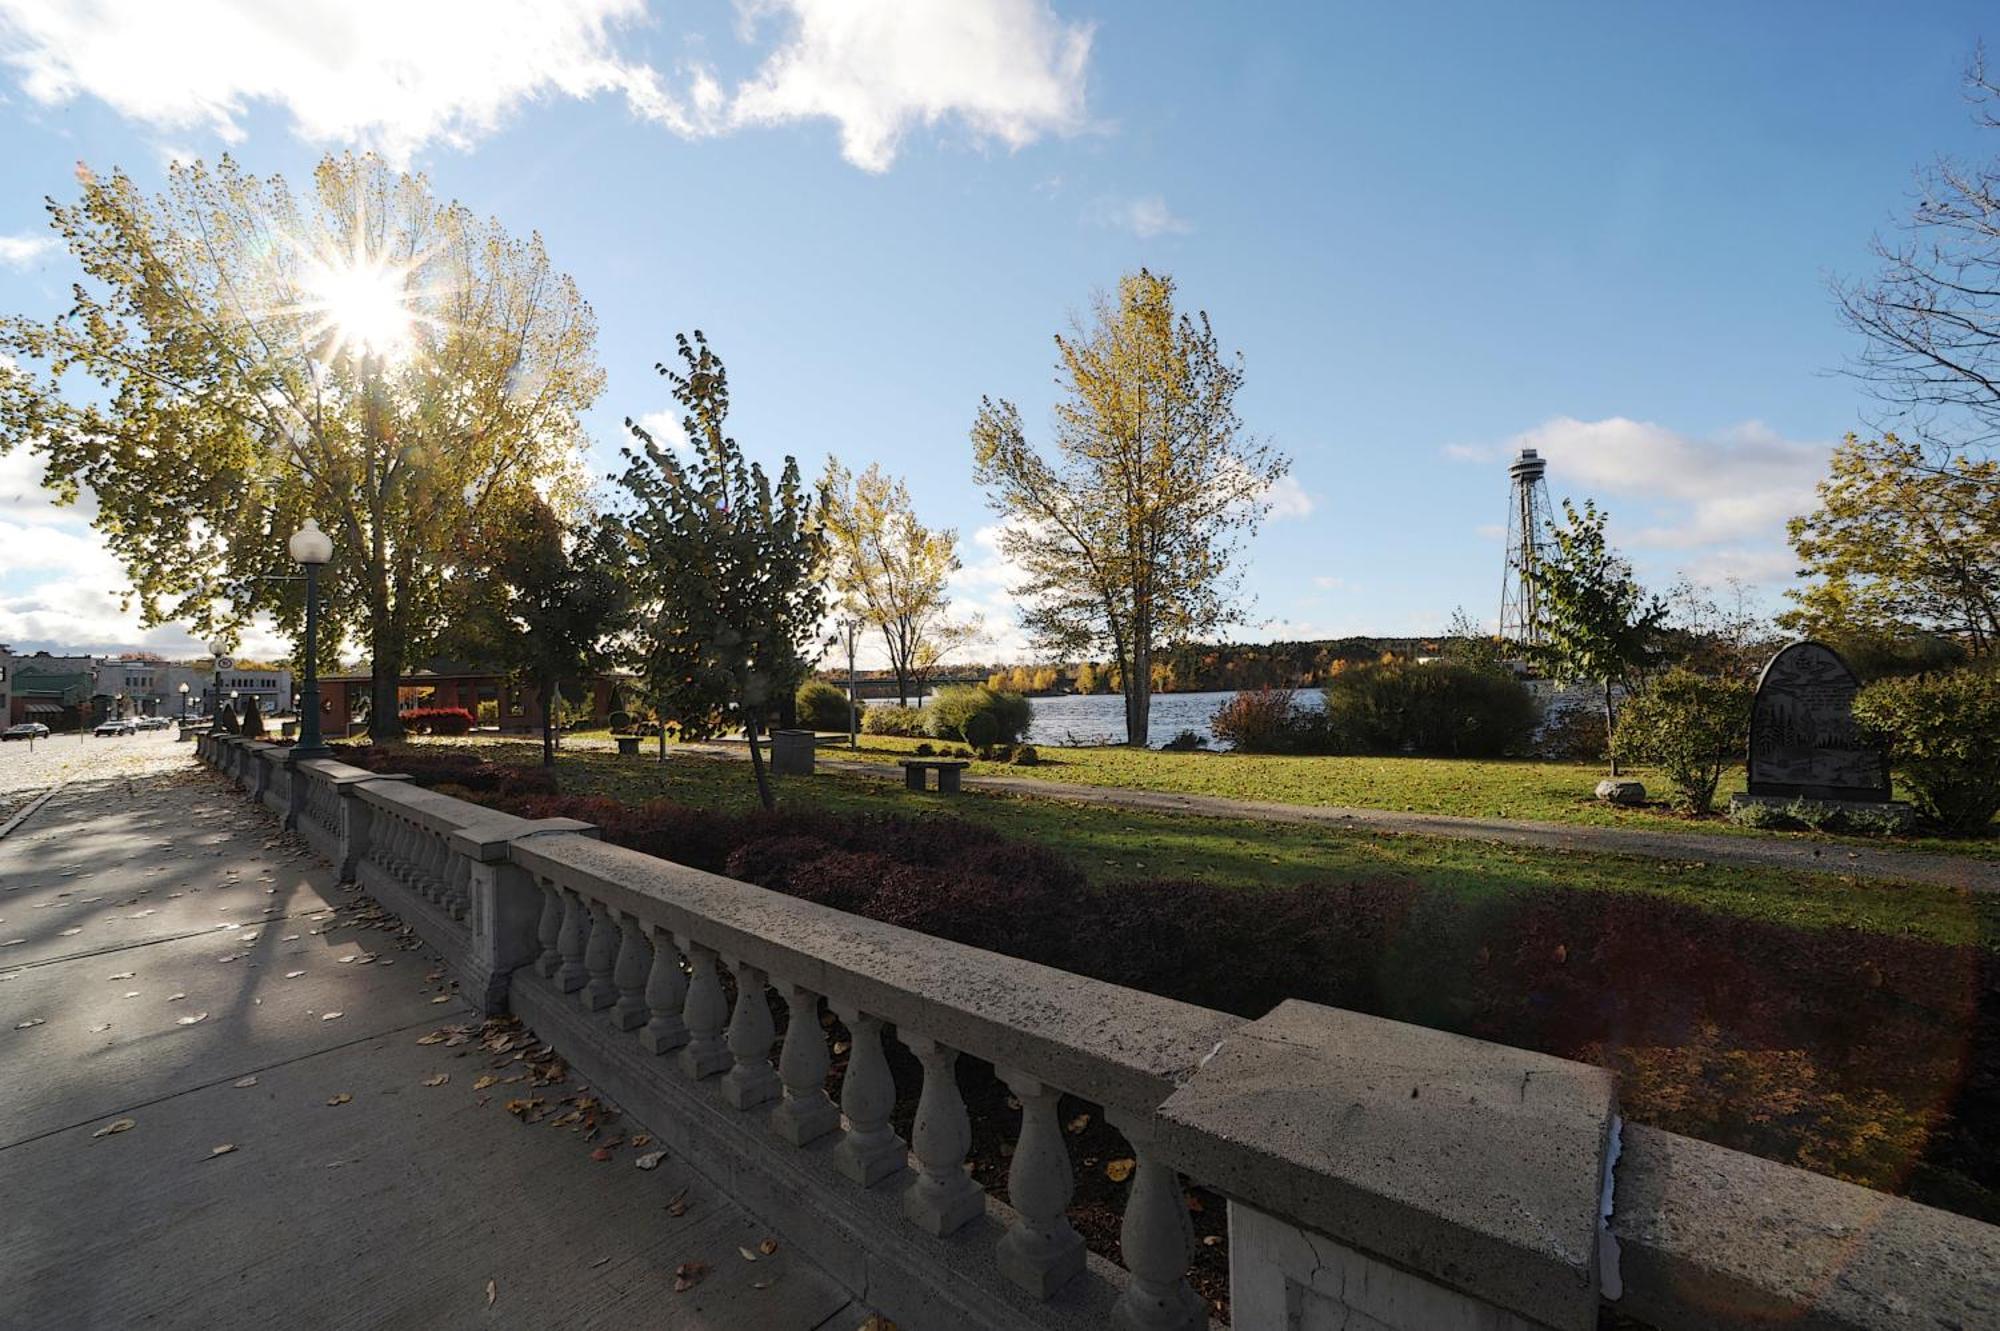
(1801, 853)
(177, 977)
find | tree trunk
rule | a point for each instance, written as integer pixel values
(385, 673)
(757, 764)
(902, 687)
(1139, 697)
(1610, 746)
(548, 697)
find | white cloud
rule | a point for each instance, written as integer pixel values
(665, 427)
(396, 76)
(1145, 217)
(20, 251)
(1288, 499)
(1739, 485)
(1006, 69)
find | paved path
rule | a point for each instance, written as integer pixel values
(1777, 851)
(177, 977)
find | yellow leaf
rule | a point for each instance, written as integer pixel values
(1119, 1170)
(114, 1128)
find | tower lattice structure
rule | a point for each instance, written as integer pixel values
(1527, 536)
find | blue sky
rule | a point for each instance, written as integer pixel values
(1435, 232)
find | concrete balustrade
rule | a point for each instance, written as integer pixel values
(1377, 1175)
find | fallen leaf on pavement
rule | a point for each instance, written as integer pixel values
(678, 1206)
(768, 1246)
(488, 1080)
(340, 1099)
(112, 1129)
(100, 1028)
(687, 1275)
(223, 1149)
(70, 933)
(438, 1080)
(175, 998)
(492, 1292)
(191, 1020)
(442, 998)
(601, 1154)
(1119, 1170)
(293, 975)
(651, 1160)
(122, 975)
(245, 1082)
(748, 1256)
(32, 1021)
(329, 1016)
(1078, 1124)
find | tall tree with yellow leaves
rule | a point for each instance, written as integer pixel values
(1129, 534)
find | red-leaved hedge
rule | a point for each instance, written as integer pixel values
(437, 721)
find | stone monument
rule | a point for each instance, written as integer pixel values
(1804, 745)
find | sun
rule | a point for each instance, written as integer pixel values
(363, 304)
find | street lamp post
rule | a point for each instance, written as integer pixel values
(216, 651)
(311, 547)
(184, 704)
(852, 627)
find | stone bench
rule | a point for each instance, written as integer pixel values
(947, 770)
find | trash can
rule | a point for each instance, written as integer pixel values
(792, 752)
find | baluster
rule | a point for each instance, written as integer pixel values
(805, 1114)
(751, 1081)
(573, 974)
(704, 1013)
(870, 1151)
(943, 1197)
(666, 993)
(600, 956)
(422, 871)
(549, 929)
(457, 882)
(1154, 1242)
(635, 960)
(1042, 1249)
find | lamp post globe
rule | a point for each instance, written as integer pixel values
(312, 548)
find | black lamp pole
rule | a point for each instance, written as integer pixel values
(310, 744)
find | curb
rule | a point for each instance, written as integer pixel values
(34, 806)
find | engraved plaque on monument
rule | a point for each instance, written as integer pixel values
(1804, 744)
(1803, 741)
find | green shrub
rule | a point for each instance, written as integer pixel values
(1442, 709)
(1025, 756)
(889, 719)
(1943, 736)
(1187, 741)
(253, 719)
(980, 730)
(822, 706)
(1693, 728)
(1756, 815)
(952, 707)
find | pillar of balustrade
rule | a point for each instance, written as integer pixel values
(1041, 1251)
(942, 1198)
(1155, 1240)
(704, 1013)
(629, 972)
(869, 1150)
(358, 823)
(573, 974)
(751, 1080)
(515, 921)
(666, 995)
(804, 1114)
(600, 958)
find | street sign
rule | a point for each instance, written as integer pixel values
(225, 663)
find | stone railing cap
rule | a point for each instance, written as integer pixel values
(1708, 1236)
(488, 841)
(1123, 1048)
(1474, 1164)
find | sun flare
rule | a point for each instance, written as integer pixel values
(365, 305)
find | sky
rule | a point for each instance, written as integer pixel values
(1436, 233)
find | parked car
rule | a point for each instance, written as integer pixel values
(116, 727)
(26, 730)
(155, 723)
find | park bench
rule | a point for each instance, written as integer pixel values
(628, 745)
(947, 770)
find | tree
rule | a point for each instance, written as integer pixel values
(891, 571)
(1693, 728)
(366, 355)
(1128, 536)
(728, 570)
(1599, 625)
(1900, 547)
(551, 603)
(1086, 678)
(1930, 321)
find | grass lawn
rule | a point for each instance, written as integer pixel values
(1120, 845)
(1539, 791)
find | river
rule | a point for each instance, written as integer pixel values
(1099, 718)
